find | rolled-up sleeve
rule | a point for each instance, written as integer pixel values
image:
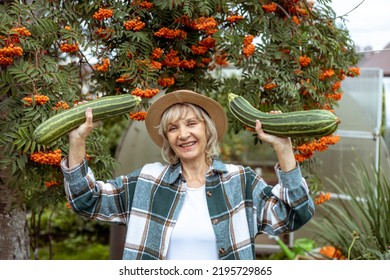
(287, 206)
(103, 201)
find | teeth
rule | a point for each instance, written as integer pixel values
(187, 144)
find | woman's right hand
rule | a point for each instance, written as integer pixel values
(82, 132)
(77, 139)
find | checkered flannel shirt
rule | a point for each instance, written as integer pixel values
(241, 205)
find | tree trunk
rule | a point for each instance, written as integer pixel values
(14, 238)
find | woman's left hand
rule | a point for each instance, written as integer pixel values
(272, 139)
(281, 145)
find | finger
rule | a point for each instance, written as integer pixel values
(258, 124)
(89, 117)
(258, 128)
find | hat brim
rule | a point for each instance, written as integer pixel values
(156, 110)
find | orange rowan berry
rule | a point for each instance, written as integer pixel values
(166, 82)
(207, 24)
(269, 8)
(102, 67)
(171, 59)
(134, 24)
(302, 12)
(248, 39)
(327, 73)
(336, 85)
(102, 14)
(61, 105)
(49, 158)
(22, 31)
(234, 18)
(157, 53)
(143, 4)
(220, 59)
(104, 33)
(69, 48)
(206, 60)
(296, 20)
(353, 71)
(147, 93)
(208, 42)
(321, 198)
(6, 60)
(199, 50)
(270, 86)
(248, 50)
(335, 96)
(123, 79)
(39, 99)
(51, 183)
(138, 116)
(304, 61)
(170, 33)
(303, 157)
(187, 64)
(156, 65)
(11, 50)
(307, 150)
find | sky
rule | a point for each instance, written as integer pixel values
(368, 24)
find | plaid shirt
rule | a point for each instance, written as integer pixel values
(148, 201)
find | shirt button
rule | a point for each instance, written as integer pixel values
(209, 193)
(215, 221)
(222, 251)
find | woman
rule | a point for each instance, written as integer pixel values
(194, 207)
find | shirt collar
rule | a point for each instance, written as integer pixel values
(218, 166)
(175, 170)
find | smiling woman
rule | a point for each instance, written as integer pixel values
(195, 206)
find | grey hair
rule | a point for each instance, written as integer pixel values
(178, 111)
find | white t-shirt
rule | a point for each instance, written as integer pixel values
(193, 236)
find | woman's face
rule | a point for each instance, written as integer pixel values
(187, 137)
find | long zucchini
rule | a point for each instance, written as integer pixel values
(297, 124)
(102, 108)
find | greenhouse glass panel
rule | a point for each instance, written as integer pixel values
(360, 108)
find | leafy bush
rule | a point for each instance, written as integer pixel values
(359, 222)
(57, 233)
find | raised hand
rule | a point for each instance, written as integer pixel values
(281, 145)
(84, 129)
(77, 139)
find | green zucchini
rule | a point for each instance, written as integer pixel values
(103, 108)
(297, 124)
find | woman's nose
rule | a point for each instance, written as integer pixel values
(183, 133)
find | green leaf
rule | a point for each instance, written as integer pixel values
(21, 163)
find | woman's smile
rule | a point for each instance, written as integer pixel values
(188, 144)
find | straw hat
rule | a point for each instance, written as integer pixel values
(212, 107)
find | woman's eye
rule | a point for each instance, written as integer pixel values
(192, 123)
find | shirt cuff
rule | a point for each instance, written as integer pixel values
(290, 179)
(74, 173)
